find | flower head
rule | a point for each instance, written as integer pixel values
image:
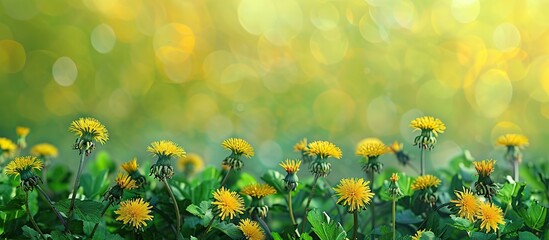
(513, 140)
(394, 189)
(124, 181)
(258, 190)
(251, 230)
(371, 149)
(166, 149)
(354, 193)
(394, 177)
(24, 167)
(191, 163)
(424, 182)
(228, 203)
(324, 149)
(291, 166)
(430, 128)
(301, 146)
(7, 146)
(130, 166)
(134, 213)
(238, 146)
(22, 131)
(396, 147)
(89, 129)
(485, 167)
(490, 216)
(44, 150)
(466, 204)
(418, 234)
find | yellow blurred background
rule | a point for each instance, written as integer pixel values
(275, 71)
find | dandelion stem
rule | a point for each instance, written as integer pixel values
(75, 189)
(30, 216)
(176, 208)
(263, 225)
(209, 225)
(166, 218)
(394, 217)
(434, 211)
(308, 202)
(355, 226)
(45, 181)
(516, 170)
(290, 207)
(422, 161)
(226, 177)
(372, 177)
(48, 200)
(102, 213)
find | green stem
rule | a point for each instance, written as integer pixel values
(166, 218)
(434, 210)
(46, 198)
(45, 181)
(209, 225)
(264, 225)
(226, 177)
(75, 189)
(373, 206)
(516, 170)
(355, 227)
(307, 205)
(102, 213)
(394, 217)
(422, 166)
(30, 216)
(290, 207)
(175, 206)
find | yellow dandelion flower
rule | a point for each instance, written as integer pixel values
(428, 123)
(371, 149)
(354, 193)
(20, 164)
(394, 177)
(166, 149)
(130, 166)
(490, 216)
(258, 190)
(324, 149)
(44, 150)
(251, 230)
(301, 145)
(396, 147)
(418, 234)
(515, 140)
(485, 167)
(228, 203)
(467, 204)
(238, 146)
(134, 213)
(191, 162)
(291, 166)
(90, 129)
(124, 181)
(22, 131)
(7, 146)
(368, 140)
(425, 181)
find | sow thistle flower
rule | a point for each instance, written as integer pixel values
(291, 167)
(131, 167)
(489, 216)
(164, 150)
(430, 127)
(123, 182)
(190, 164)
(427, 185)
(370, 150)
(258, 192)
(398, 149)
(22, 133)
(466, 205)
(89, 131)
(24, 167)
(251, 229)
(322, 150)
(485, 186)
(354, 193)
(239, 147)
(7, 147)
(301, 147)
(134, 213)
(228, 204)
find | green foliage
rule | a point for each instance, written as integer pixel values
(324, 227)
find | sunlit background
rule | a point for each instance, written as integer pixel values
(275, 71)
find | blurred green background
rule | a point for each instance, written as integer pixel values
(275, 71)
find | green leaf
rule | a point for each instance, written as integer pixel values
(462, 223)
(275, 179)
(305, 236)
(87, 210)
(276, 236)
(324, 227)
(428, 235)
(509, 191)
(527, 236)
(94, 185)
(15, 204)
(101, 163)
(202, 192)
(30, 233)
(229, 229)
(512, 226)
(57, 235)
(203, 211)
(483, 236)
(534, 216)
(407, 217)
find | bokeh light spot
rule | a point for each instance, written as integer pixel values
(465, 11)
(493, 93)
(503, 127)
(381, 116)
(257, 16)
(333, 110)
(325, 16)
(173, 43)
(103, 38)
(269, 153)
(20, 9)
(370, 32)
(329, 47)
(12, 56)
(506, 37)
(404, 13)
(64, 71)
